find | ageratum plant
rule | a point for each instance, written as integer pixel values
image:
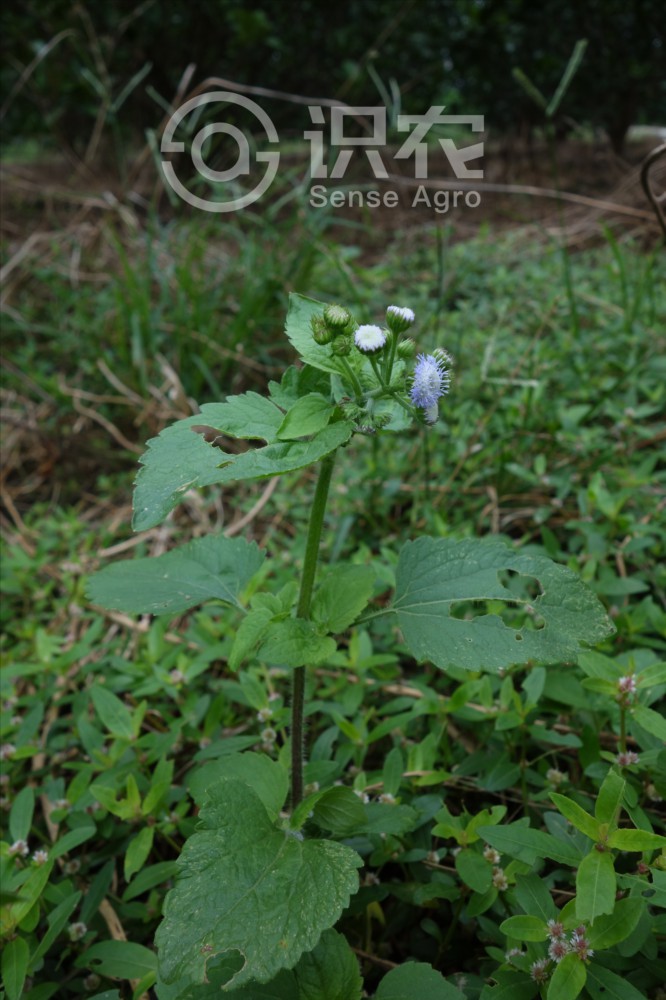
(273, 864)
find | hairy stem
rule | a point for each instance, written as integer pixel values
(302, 611)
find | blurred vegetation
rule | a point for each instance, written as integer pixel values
(66, 62)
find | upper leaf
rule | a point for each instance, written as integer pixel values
(207, 568)
(433, 574)
(188, 453)
(247, 886)
(299, 332)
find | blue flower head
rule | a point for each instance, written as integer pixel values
(431, 379)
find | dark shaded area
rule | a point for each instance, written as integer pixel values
(126, 57)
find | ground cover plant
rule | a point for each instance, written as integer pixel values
(480, 798)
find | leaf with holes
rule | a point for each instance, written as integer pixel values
(247, 886)
(434, 575)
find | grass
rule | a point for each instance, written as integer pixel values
(551, 439)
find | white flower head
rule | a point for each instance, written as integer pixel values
(370, 338)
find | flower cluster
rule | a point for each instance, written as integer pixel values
(419, 392)
(561, 945)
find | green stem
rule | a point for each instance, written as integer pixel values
(353, 378)
(302, 611)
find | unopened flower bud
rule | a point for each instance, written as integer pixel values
(406, 349)
(399, 318)
(337, 318)
(342, 346)
(321, 333)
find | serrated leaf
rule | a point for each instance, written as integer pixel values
(113, 713)
(294, 642)
(248, 634)
(577, 816)
(527, 845)
(330, 972)
(247, 886)
(416, 979)
(180, 458)
(341, 596)
(568, 979)
(434, 574)
(524, 928)
(299, 332)
(474, 870)
(611, 928)
(268, 779)
(308, 415)
(602, 984)
(596, 885)
(210, 568)
(636, 840)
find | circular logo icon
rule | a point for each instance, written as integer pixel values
(243, 166)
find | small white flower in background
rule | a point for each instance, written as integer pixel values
(176, 676)
(555, 777)
(539, 970)
(19, 849)
(369, 338)
(555, 930)
(513, 953)
(626, 758)
(61, 804)
(399, 318)
(7, 751)
(490, 854)
(627, 684)
(559, 947)
(363, 796)
(268, 735)
(311, 788)
(499, 879)
(264, 714)
(387, 799)
(40, 857)
(76, 931)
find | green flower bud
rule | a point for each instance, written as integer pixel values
(337, 318)
(321, 333)
(342, 345)
(406, 349)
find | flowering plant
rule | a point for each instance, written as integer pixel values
(271, 851)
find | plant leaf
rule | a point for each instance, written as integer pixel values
(434, 574)
(341, 596)
(416, 979)
(527, 845)
(15, 957)
(210, 568)
(568, 979)
(577, 816)
(247, 886)
(609, 799)
(614, 927)
(330, 972)
(636, 840)
(525, 928)
(294, 642)
(308, 415)
(299, 332)
(602, 984)
(595, 886)
(183, 457)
